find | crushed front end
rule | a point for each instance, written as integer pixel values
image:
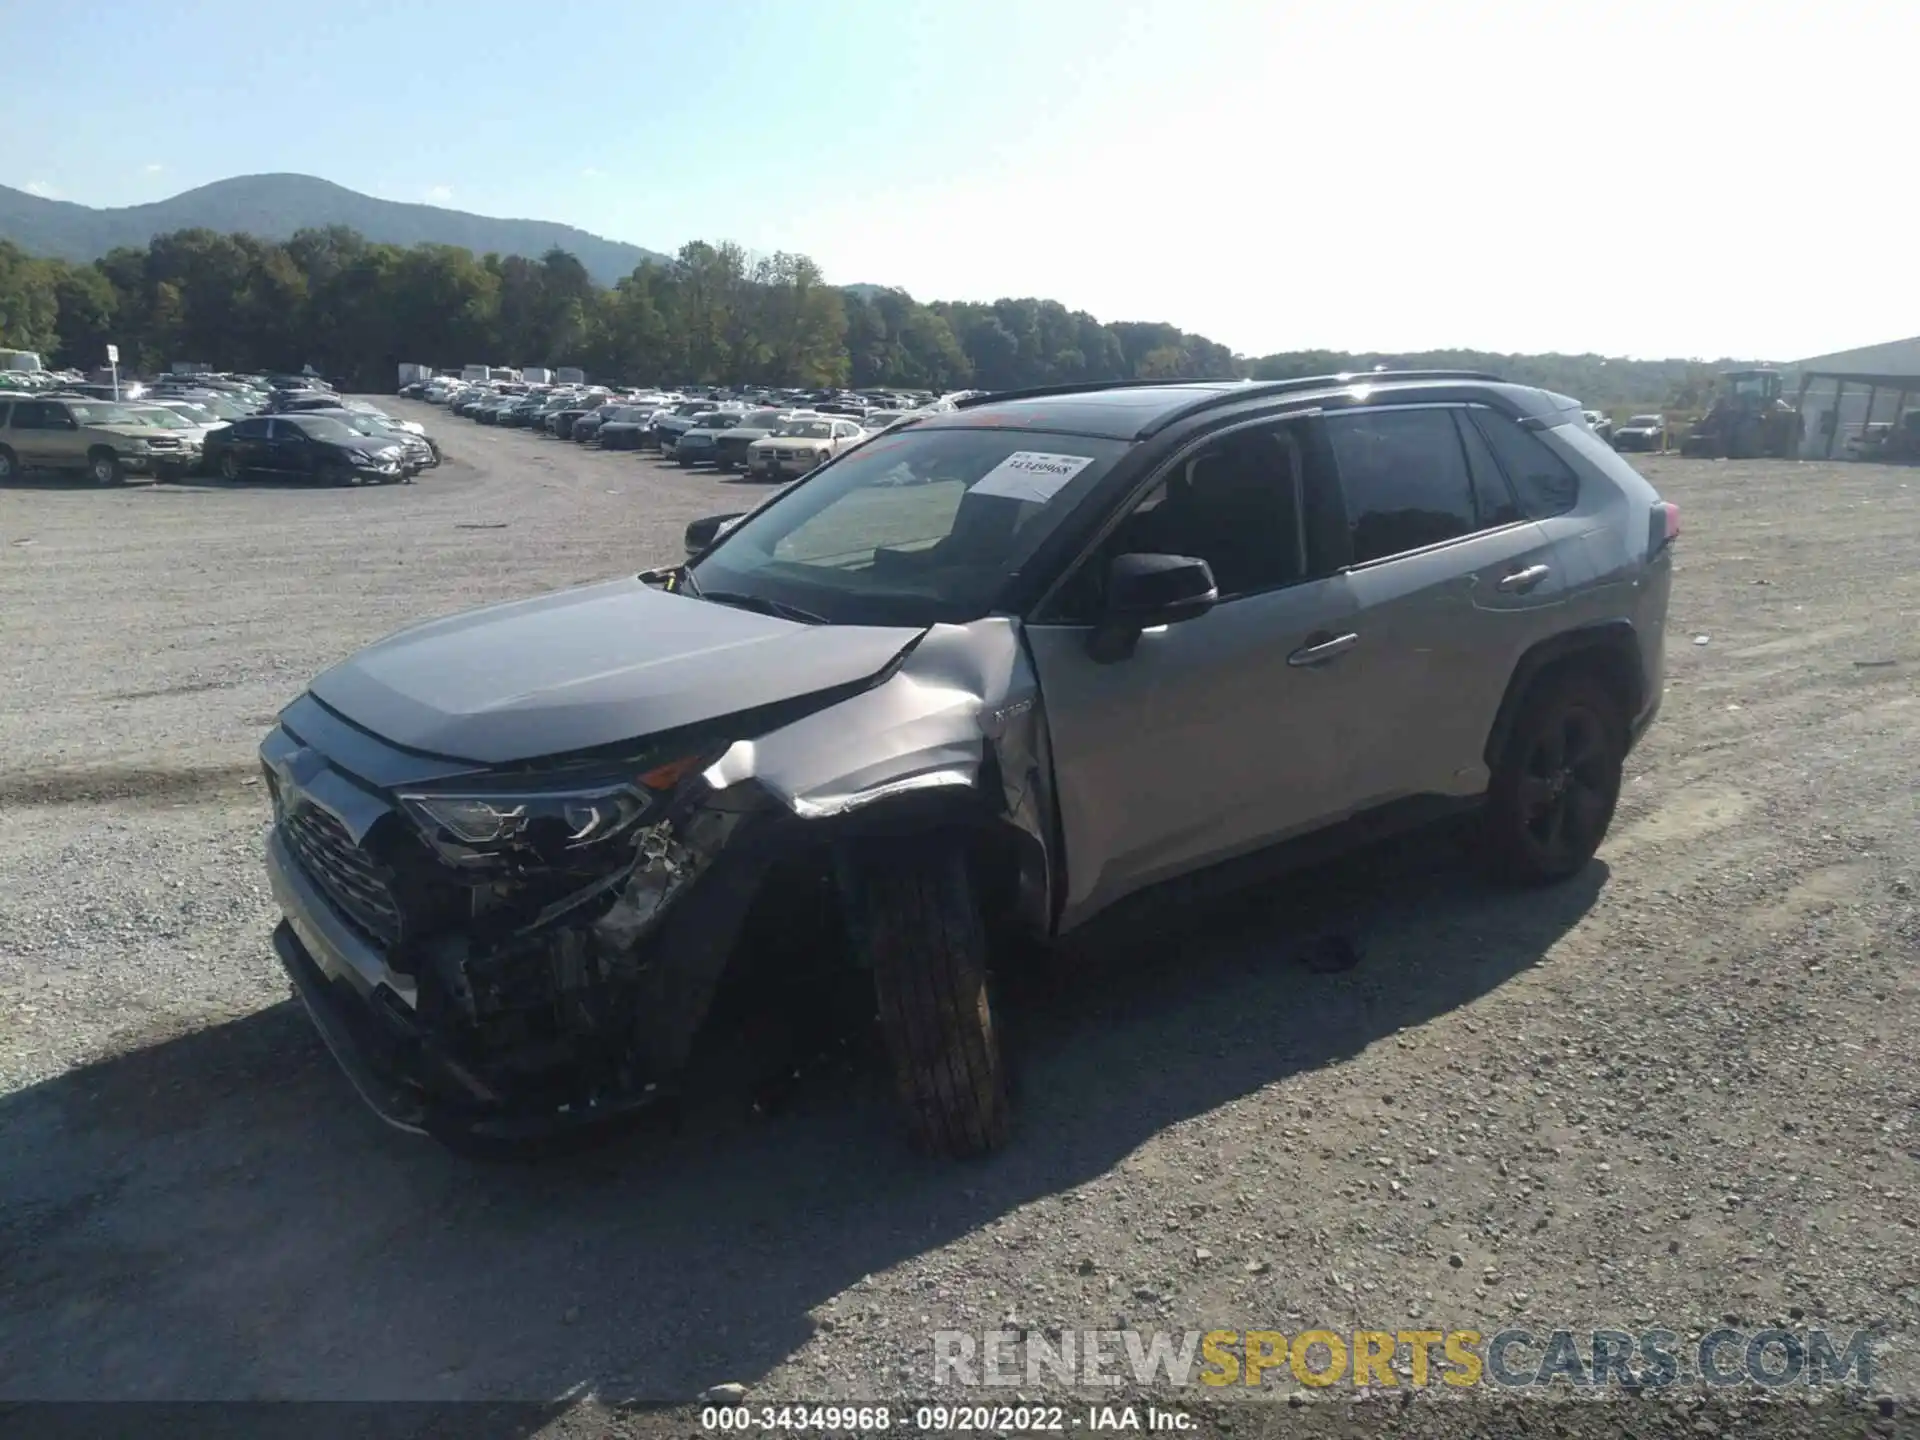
(498, 955)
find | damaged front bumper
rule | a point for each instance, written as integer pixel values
(466, 1015)
(506, 1026)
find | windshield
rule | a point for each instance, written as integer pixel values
(913, 528)
(805, 430)
(163, 419)
(95, 413)
(759, 420)
(325, 427)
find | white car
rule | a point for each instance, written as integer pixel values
(801, 445)
(360, 407)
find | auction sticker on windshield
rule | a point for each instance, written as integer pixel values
(1031, 475)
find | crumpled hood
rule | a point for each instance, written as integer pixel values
(588, 667)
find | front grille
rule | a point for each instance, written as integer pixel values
(352, 879)
(163, 442)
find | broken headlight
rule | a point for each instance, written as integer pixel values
(554, 817)
(572, 817)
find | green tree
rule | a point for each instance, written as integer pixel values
(29, 303)
(87, 305)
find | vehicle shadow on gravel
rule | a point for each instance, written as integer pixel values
(213, 1215)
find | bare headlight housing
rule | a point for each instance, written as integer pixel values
(566, 817)
(584, 817)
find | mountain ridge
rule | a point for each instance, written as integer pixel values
(274, 206)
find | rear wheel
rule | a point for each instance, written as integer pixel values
(1555, 787)
(9, 465)
(920, 929)
(105, 468)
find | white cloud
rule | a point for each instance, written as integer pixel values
(439, 194)
(42, 189)
(155, 168)
(593, 172)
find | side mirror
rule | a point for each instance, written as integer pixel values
(703, 532)
(1144, 591)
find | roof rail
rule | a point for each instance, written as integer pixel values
(1229, 392)
(1031, 392)
(1262, 388)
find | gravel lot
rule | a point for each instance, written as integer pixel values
(1681, 1088)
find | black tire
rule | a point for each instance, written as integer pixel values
(231, 470)
(335, 475)
(920, 930)
(104, 467)
(9, 465)
(1556, 785)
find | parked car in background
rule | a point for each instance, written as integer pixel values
(585, 429)
(421, 453)
(699, 442)
(192, 434)
(880, 419)
(730, 446)
(668, 428)
(318, 447)
(100, 438)
(292, 402)
(525, 413)
(801, 445)
(625, 427)
(560, 422)
(1598, 421)
(1645, 433)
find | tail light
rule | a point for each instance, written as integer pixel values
(1663, 526)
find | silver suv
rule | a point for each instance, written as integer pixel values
(975, 681)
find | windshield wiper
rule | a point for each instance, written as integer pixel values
(776, 608)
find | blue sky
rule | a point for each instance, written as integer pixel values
(1632, 177)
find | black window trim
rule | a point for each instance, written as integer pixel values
(1462, 422)
(1042, 612)
(1529, 425)
(1466, 462)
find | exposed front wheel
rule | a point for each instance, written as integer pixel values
(335, 475)
(105, 468)
(230, 470)
(918, 924)
(9, 465)
(1555, 787)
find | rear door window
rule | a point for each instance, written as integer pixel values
(1405, 478)
(1493, 498)
(1544, 482)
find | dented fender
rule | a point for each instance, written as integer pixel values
(960, 716)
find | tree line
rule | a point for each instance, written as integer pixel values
(354, 310)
